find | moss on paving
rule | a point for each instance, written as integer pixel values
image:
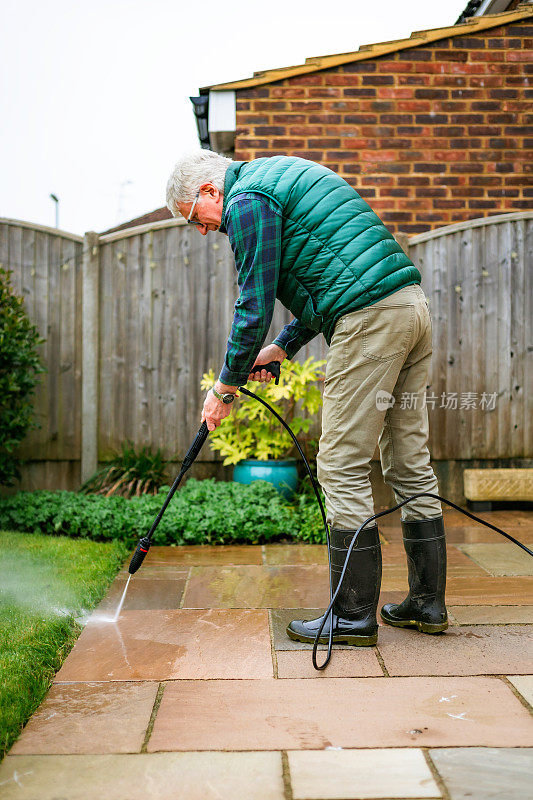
(45, 583)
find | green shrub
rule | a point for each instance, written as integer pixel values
(252, 431)
(202, 512)
(131, 473)
(19, 367)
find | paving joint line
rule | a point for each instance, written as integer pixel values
(273, 653)
(185, 586)
(436, 775)
(381, 661)
(286, 775)
(153, 715)
(516, 693)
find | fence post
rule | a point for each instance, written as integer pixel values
(90, 309)
(403, 241)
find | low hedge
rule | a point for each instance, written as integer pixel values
(201, 512)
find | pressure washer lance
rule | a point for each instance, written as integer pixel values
(274, 367)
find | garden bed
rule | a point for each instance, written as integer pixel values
(201, 512)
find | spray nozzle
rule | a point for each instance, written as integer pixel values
(139, 555)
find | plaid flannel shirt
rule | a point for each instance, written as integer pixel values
(254, 224)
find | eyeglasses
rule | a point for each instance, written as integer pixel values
(189, 220)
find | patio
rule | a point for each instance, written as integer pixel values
(196, 692)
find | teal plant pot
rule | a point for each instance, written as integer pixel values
(281, 474)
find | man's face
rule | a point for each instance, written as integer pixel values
(207, 214)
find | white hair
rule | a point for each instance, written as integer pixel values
(192, 171)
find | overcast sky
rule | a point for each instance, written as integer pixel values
(94, 97)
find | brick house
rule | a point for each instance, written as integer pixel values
(430, 130)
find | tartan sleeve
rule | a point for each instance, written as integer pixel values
(294, 336)
(254, 231)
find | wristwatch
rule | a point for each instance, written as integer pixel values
(224, 398)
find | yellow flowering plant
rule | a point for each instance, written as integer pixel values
(251, 431)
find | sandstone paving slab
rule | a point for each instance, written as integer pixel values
(143, 594)
(154, 776)
(508, 591)
(478, 773)
(155, 571)
(205, 555)
(393, 555)
(167, 645)
(491, 615)
(500, 558)
(346, 774)
(257, 587)
(336, 712)
(502, 518)
(524, 685)
(357, 662)
(463, 650)
(89, 718)
(295, 554)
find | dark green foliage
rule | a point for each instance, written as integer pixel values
(19, 367)
(201, 512)
(131, 473)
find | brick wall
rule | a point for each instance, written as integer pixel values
(428, 136)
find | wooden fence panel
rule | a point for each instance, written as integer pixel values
(46, 267)
(165, 309)
(477, 277)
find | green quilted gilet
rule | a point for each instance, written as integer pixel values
(337, 255)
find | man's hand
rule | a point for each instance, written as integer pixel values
(214, 410)
(269, 353)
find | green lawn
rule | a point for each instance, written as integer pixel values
(45, 583)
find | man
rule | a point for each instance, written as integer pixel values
(300, 233)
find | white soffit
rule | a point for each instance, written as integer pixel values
(222, 111)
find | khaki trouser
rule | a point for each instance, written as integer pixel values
(377, 351)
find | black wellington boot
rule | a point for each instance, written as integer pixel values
(424, 607)
(354, 610)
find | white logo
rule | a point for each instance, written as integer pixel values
(384, 400)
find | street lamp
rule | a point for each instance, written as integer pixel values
(55, 198)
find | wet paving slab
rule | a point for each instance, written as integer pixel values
(335, 712)
(524, 686)
(170, 645)
(149, 593)
(295, 554)
(146, 776)
(307, 586)
(489, 591)
(491, 615)
(257, 587)
(360, 662)
(156, 571)
(345, 774)
(500, 558)
(459, 563)
(89, 718)
(478, 773)
(204, 555)
(463, 650)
